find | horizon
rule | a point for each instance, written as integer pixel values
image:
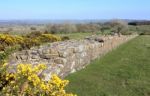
(74, 10)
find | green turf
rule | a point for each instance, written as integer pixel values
(123, 72)
(78, 35)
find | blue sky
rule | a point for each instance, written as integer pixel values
(74, 9)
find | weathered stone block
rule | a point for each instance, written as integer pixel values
(60, 61)
(45, 51)
(23, 57)
(53, 51)
(49, 56)
(65, 53)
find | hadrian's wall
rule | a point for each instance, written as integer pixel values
(66, 57)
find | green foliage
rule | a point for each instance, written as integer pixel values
(4, 54)
(141, 29)
(67, 28)
(118, 26)
(33, 34)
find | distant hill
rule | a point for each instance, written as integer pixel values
(36, 22)
(33, 22)
(143, 22)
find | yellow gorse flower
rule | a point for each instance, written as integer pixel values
(5, 64)
(25, 41)
(26, 81)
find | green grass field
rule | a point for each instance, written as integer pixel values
(123, 72)
(76, 35)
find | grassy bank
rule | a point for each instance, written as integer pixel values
(122, 72)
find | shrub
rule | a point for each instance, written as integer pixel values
(49, 38)
(33, 34)
(28, 41)
(37, 38)
(118, 26)
(7, 40)
(33, 28)
(27, 81)
(7, 51)
(65, 38)
(2, 47)
(144, 33)
(128, 33)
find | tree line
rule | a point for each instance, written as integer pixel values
(114, 26)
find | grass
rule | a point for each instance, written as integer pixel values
(122, 72)
(75, 35)
(78, 35)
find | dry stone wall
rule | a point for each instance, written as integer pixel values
(67, 57)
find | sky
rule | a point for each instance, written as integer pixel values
(74, 9)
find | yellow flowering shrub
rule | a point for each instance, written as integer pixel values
(49, 37)
(27, 81)
(6, 39)
(28, 41)
(19, 39)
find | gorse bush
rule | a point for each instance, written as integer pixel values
(27, 81)
(49, 37)
(9, 40)
(43, 37)
(35, 39)
(32, 39)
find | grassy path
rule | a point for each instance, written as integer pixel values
(122, 72)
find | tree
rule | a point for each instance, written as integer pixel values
(119, 26)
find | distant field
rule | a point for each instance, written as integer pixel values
(122, 72)
(78, 35)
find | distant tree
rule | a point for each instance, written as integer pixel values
(89, 27)
(68, 28)
(119, 26)
(53, 29)
(33, 28)
(105, 27)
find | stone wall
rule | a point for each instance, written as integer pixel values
(67, 57)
